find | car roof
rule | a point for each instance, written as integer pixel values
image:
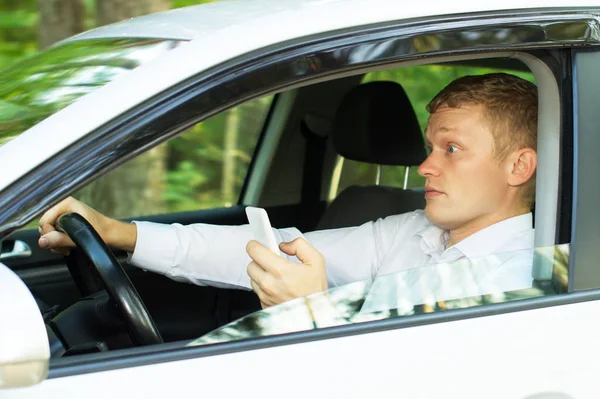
(299, 17)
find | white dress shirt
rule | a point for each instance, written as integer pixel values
(215, 255)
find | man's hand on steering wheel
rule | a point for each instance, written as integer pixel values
(114, 233)
(92, 232)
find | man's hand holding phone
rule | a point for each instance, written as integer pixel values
(274, 278)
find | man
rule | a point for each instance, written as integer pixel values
(479, 191)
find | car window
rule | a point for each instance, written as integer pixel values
(438, 288)
(350, 172)
(43, 84)
(203, 168)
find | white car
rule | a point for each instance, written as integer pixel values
(246, 99)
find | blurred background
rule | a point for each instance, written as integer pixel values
(26, 26)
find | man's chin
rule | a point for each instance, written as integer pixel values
(431, 213)
(439, 217)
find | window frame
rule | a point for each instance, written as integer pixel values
(583, 271)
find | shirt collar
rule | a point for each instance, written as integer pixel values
(488, 240)
(435, 239)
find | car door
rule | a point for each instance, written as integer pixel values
(515, 350)
(349, 360)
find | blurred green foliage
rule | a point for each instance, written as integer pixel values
(18, 30)
(196, 177)
(19, 26)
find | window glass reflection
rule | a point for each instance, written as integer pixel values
(442, 287)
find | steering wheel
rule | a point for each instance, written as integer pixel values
(140, 325)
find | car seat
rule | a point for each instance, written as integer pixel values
(375, 123)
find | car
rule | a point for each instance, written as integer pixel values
(190, 115)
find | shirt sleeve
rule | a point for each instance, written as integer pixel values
(201, 254)
(205, 254)
(355, 253)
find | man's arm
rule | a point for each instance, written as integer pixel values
(206, 254)
(202, 254)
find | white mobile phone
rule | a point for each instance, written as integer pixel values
(261, 228)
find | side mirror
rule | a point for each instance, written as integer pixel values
(24, 348)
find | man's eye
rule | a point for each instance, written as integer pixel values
(452, 148)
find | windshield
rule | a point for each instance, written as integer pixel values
(457, 285)
(41, 85)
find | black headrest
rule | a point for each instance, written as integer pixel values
(376, 123)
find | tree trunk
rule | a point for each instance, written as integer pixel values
(109, 11)
(232, 125)
(59, 19)
(137, 187)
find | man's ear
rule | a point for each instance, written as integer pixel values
(522, 166)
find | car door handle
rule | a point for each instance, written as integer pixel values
(20, 249)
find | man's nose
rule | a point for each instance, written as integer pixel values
(429, 166)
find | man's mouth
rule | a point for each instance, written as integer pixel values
(431, 192)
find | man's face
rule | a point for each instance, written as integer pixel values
(465, 183)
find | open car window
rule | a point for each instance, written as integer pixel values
(437, 288)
